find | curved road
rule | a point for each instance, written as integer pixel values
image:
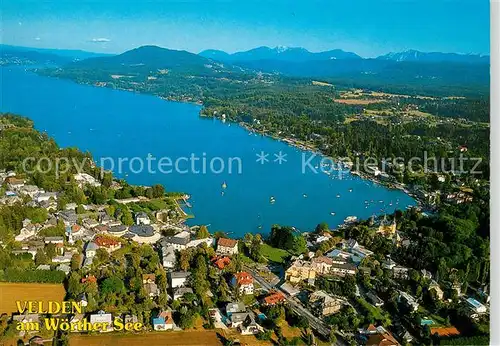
(315, 323)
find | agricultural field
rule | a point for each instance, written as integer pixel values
(246, 339)
(11, 292)
(318, 83)
(190, 338)
(358, 93)
(360, 102)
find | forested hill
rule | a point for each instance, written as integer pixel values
(152, 58)
(376, 73)
(16, 55)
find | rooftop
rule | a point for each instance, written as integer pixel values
(274, 298)
(243, 278)
(176, 240)
(106, 241)
(235, 307)
(226, 242)
(179, 275)
(91, 246)
(445, 331)
(142, 230)
(117, 229)
(474, 303)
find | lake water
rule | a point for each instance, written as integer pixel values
(120, 124)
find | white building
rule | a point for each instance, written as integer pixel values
(168, 257)
(83, 179)
(179, 279)
(163, 321)
(46, 196)
(142, 218)
(54, 240)
(343, 269)
(103, 318)
(90, 249)
(28, 230)
(244, 282)
(227, 246)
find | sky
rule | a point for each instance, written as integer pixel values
(368, 28)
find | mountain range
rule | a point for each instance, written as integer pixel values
(280, 53)
(440, 70)
(334, 65)
(153, 57)
(415, 55)
(297, 54)
(62, 54)
(293, 54)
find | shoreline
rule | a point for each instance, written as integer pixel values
(313, 149)
(288, 141)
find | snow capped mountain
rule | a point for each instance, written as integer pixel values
(415, 55)
(280, 53)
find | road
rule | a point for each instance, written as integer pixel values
(296, 306)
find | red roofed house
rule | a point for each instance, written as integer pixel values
(444, 332)
(221, 261)
(244, 282)
(14, 182)
(227, 246)
(108, 243)
(274, 298)
(89, 278)
(75, 228)
(378, 336)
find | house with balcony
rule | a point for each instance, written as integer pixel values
(243, 281)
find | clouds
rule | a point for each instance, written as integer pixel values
(100, 40)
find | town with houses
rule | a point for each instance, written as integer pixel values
(334, 289)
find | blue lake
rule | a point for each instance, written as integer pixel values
(120, 124)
